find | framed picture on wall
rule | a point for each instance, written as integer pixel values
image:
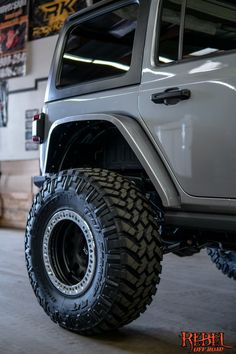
(3, 103)
(29, 144)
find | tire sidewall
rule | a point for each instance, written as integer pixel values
(77, 305)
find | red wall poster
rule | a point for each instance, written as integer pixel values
(13, 37)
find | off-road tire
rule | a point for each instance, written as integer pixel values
(128, 249)
(224, 261)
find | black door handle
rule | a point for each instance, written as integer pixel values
(171, 96)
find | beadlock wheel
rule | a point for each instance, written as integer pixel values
(93, 251)
(69, 252)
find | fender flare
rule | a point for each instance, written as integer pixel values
(141, 146)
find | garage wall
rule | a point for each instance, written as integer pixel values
(17, 166)
(16, 191)
(12, 137)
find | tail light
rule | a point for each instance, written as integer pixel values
(38, 128)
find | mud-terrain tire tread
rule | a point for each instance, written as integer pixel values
(223, 261)
(131, 236)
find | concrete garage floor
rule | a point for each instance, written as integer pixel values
(193, 296)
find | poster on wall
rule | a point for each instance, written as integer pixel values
(13, 37)
(47, 17)
(3, 103)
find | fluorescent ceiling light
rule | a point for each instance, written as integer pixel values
(96, 61)
(76, 58)
(165, 60)
(111, 63)
(204, 51)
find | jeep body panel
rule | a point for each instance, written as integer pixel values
(196, 136)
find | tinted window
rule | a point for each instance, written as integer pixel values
(100, 48)
(210, 26)
(169, 31)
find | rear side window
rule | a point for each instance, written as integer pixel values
(210, 27)
(205, 27)
(100, 48)
(169, 31)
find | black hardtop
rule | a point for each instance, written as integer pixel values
(99, 5)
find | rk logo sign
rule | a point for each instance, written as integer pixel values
(49, 16)
(204, 341)
(57, 10)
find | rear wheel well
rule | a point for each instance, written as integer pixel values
(90, 144)
(95, 144)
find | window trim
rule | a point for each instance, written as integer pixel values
(59, 72)
(181, 29)
(132, 77)
(180, 60)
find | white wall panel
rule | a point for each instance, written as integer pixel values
(12, 137)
